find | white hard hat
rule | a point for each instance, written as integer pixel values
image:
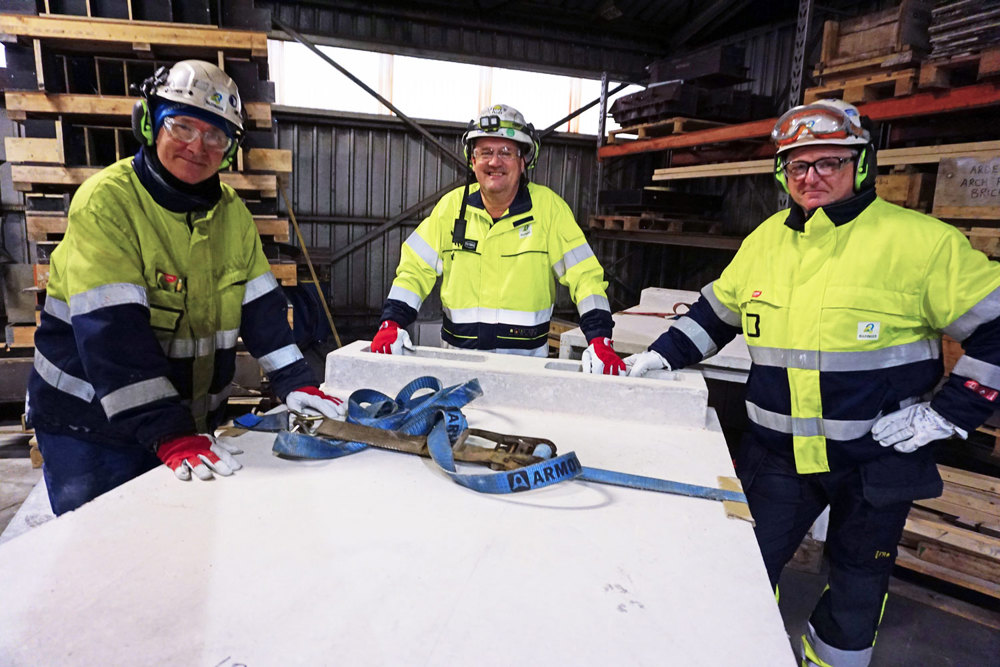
(201, 85)
(503, 122)
(828, 122)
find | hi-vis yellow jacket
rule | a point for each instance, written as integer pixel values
(137, 340)
(843, 319)
(498, 291)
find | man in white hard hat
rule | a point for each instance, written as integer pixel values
(498, 246)
(160, 271)
(842, 300)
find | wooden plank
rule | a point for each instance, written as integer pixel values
(40, 226)
(735, 510)
(88, 31)
(41, 274)
(20, 335)
(269, 159)
(908, 558)
(26, 175)
(32, 149)
(886, 158)
(277, 228)
(73, 104)
(970, 479)
(286, 274)
(960, 512)
(958, 538)
(960, 562)
(920, 104)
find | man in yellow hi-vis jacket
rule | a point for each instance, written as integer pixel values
(160, 272)
(842, 300)
(498, 246)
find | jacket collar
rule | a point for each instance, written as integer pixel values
(521, 203)
(170, 192)
(839, 213)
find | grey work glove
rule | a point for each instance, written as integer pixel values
(313, 401)
(640, 364)
(201, 454)
(913, 427)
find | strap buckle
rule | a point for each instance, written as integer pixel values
(511, 451)
(305, 423)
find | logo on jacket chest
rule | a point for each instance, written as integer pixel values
(524, 232)
(868, 330)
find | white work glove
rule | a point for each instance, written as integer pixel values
(312, 401)
(910, 428)
(201, 454)
(640, 364)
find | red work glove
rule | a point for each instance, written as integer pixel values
(201, 454)
(390, 339)
(601, 358)
(312, 401)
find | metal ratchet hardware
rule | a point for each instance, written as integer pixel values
(507, 453)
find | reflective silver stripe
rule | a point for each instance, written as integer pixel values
(425, 252)
(216, 400)
(542, 351)
(187, 348)
(835, 656)
(406, 296)
(862, 360)
(571, 258)
(520, 318)
(837, 429)
(720, 310)
(593, 302)
(980, 371)
(62, 380)
(105, 296)
(259, 286)
(698, 336)
(984, 311)
(139, 393)
(280, 358)
(57, 308)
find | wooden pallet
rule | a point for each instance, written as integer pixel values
(867, 87)
(676, 125)
(46, 228)
(27, 177)
(911, 190)
(653, 222)
(944, 73)
(826, 73)
(956, 537)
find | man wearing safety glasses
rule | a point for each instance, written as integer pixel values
(842, 300)
(498, 246)
(160, 271)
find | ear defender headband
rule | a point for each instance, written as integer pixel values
(142, 117)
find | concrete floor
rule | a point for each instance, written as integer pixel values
(912, 632)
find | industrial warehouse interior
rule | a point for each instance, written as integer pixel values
(611, 332)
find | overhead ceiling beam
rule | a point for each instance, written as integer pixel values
(695, 25)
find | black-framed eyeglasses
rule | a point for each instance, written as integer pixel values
(213, 138)
(825, 166)
(505, 154)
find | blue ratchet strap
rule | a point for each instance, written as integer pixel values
(407, 413)
(560, 469)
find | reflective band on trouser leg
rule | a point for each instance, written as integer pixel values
(809, 446)
(822, 654)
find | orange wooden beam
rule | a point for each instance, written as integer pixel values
(919, 104)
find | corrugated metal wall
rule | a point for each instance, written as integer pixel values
(353, 172)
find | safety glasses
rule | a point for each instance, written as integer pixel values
(213, 139)
(821, 122)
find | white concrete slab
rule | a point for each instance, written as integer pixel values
(634, 333)
(379, 559)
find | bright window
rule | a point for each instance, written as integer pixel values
(429, 89)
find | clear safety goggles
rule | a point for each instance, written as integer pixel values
(822, 122)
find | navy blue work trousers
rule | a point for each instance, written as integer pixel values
(861, 538)
(76, 471)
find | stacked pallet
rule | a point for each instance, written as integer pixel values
(67, 84)
(964, 37)
(956, 537)
(872, 56)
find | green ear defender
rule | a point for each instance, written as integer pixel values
(142, 124)
(779, 174)
(865, 169)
